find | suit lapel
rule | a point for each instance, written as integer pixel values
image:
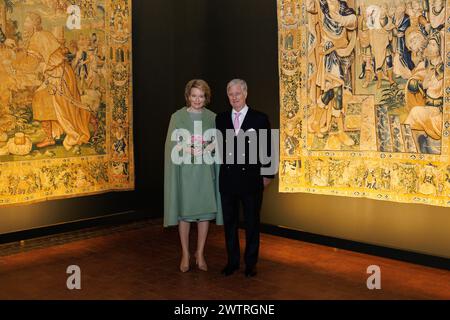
(229, 121)
(245, 124)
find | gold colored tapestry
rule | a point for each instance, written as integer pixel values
(365, 99)
(65, 99)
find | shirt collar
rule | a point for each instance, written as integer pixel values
(243, 111)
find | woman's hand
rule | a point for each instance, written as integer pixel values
(197, 151)
(210, 147)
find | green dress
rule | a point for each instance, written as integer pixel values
(191, 191)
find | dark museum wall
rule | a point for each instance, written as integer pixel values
(177, 40)
(170, 48)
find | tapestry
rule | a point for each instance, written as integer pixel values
(365, 99)
(65, 99)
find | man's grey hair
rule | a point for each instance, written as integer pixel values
(239, 82)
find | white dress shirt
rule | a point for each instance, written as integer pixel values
(242, 115)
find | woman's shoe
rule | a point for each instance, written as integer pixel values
(201, 266)
(184, 267)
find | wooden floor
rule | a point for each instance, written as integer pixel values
(140, 261)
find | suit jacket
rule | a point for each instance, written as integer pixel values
(240, 172)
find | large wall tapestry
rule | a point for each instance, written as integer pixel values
(65, 98)
(365, 93)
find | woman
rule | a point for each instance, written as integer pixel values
(191, 192)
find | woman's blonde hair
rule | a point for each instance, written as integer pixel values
(201, 85)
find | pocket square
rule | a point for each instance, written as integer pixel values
(250, 130)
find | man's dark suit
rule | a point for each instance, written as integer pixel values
(241, 183)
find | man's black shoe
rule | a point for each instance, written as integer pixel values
(229, 270)
(250, 272)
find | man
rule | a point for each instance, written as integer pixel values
(366, 55)
(380, 40)
(337, 23)
(57, 103)
(403, 64)
(240, 180)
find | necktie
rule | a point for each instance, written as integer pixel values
(236, 121)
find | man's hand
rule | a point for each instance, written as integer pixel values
(266, 181)
(326, 52)
(10, 43)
